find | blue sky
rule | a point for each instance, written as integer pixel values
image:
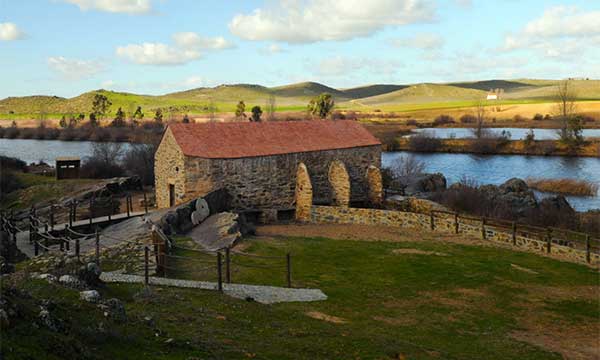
(66, 47)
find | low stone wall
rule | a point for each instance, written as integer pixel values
(451, 224)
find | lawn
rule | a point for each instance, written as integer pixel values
(406, 299)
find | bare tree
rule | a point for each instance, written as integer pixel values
(480, 111)
(407, 165)
(212, 109)
(270, 107)
(566, 108)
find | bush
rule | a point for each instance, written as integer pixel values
(139, 160)
(538, 117)
(424, 142)
(519, 118)
(412, 122)
(529, 138)
(548, 117)
(9, 182)
(468, 119)
(443, 120)
(104, 161)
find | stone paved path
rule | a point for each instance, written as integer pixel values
(261, 294)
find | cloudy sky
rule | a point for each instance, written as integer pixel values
(65, 47)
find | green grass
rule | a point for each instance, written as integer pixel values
(461, 306)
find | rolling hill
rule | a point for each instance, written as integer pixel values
(294, 97)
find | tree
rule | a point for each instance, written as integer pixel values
(211, 108)
(239, 110)
(100, 106)
(270, 108)
(158, 116)
(138, 114)
(186, 119)
(321, 105)
(256, 113)
(63, 122)
(566, 111)
(119, 120)
(93, 120)
(480, 110)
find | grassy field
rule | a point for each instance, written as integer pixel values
(406, 295)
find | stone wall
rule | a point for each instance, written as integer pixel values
(340, 183)
(269, 182)
(448, 223)
(304, 194)
(169, 168)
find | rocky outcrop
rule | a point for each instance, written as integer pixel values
(422, 184)
(413, 204)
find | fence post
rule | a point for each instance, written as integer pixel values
(219, 273)
(587, 248)
(288, 259)
(549, 240)
(36, 250)
(91, 215)
(127, 199)
(75, 211)
(514, 232)
(145, 203)
(483, 228)
(30, 229)
(110, 210)
(71, 213)
(456, 222)
(77, 248)
(97, 247)
(52, 217)
(431, 220)
(228, 265)
(146, 275)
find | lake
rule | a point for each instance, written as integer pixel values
(516, 133)
(496, 169)
(32, 151)
(485, 169)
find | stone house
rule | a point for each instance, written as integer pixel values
(257, 162)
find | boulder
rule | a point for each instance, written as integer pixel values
(90, 274)
(92, 296)
(114, 309)
(48, 277)
(423, 183)
(70, 281)
(557, 203)
(514, 185)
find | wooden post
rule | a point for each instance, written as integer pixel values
(431, 221)
(456, 223)
(52, 217)
(30, 229)
(219, 273)
(77, 248)
(288, 259)
(483, 228)
(97, 247)
(36, 250)
(228, 265)
(587, 248)
(514, 233)
(127, 198)
(74, 210)
(91, 214)
(146, 275)
(71, 213)
(145, 203)
(549, 241)
(110, 211)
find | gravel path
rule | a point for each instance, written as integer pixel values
(261, 294)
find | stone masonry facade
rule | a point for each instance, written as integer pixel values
(265, 182)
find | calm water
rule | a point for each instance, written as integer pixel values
(496, 169)
(516, 133)
(486, 169)
(32, 151)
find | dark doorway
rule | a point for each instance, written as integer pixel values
(171, 195)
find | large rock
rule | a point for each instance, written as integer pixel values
(218, 231)
(514, 185)
(423, 183)
(92, 296)
(557, 203)
(90, 274)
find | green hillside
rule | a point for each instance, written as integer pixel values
(424, 93)
(294, 97)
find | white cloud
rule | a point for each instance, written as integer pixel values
(306, 21)
(187, 47)
(272, 50)
(344, 66)
(156, 54)
(114, 6)
(560, 33)
(191, 40)
(9, 31)
(74, 69)
(423, 41)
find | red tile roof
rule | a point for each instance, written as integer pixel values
(216, 140)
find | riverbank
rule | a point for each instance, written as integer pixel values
(590, 148)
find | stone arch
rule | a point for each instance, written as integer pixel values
(374, 186)
(340, 183)
(303, 194)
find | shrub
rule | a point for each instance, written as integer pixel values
(104, 162)
(424, 142)
(468, 119)
(547, 117)
(529, 138)
(519, 118)
(9, 182)
(443, 120)
(538, 117)
(564, 186)
(139, 160)
(548, 147)
(412, 122)
(407, 165)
